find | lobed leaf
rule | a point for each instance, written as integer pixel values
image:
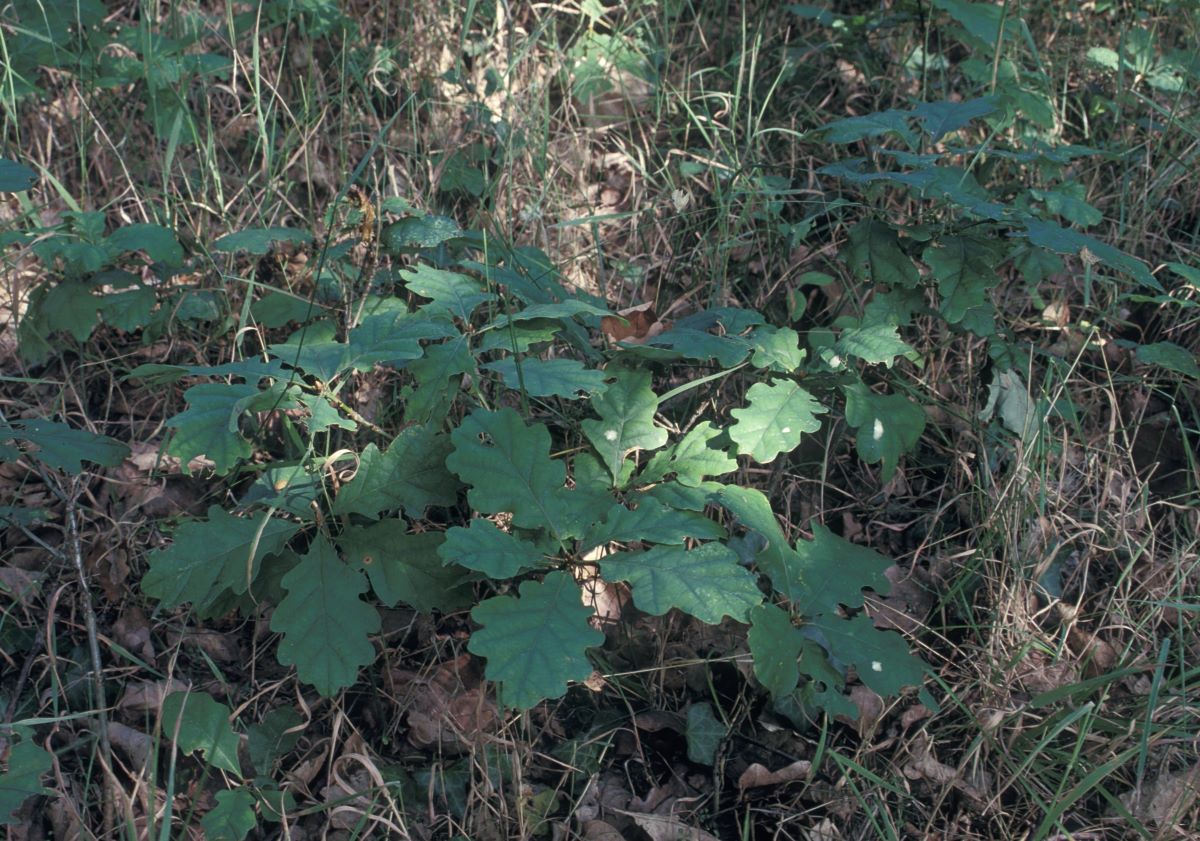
(707, 582)
(626, 410)
(537, 644)
(775, 419)
(325, 625)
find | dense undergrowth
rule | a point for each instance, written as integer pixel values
(666, 420)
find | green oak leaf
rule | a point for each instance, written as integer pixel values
(416, 232)
(777, 349)
(508, 466)
(232, 819)
(259, 240)
(1066, 241)
(325, 625)
(209, 556)
(129, 310)
(777, 559)
(831, 571)
(562, 310)
(449, 292)
(874, 254)
(873, 343)
(405, 567)
(706, 582)
(823, 688)
(692, 459)
(626, 410)
(484, 548)
(705, 732)
(881, 658)
(28, 762)
(549, 377)
(942, 117)
(965, 269)
(775, 644)
(158, 242)
(209, 425)
(1170, 356)
(64, 447)
(71, 307)
(438, 376)
(888, 426)
(537, 644)
(411, 475)
(651, 522)
(852, 129)
(15, 178)
(195, 721)
(778, 414)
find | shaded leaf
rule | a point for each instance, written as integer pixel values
(484, 548)
(1170, 356)
(873, 253)
(508, 466)
(888, 426)
(412, 475)
(325, 625)
(27, 763)
(651, 522)
(626, 410)
(829, 570)
(158, 242)
(197, 722)
(549, 377)
(232, 819)
(65, 448)
(208, 556)
(965, 269)
(775, 644)
(209, 425)
(852, 129)
(940, 118)
(259, 240)
(881, 658)
(706, 582)
(405, 567)
(705, 732)
(537, 644)
(15, 178)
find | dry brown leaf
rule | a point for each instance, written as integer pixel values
(636, 325)
(1166, 801)
(906, 605)
(601, 831)
(1037, 674)
(668, 828)
(20, 585)
(758, 775)
(146, 696)
(130, 741)
(132, 630)
(826, 830)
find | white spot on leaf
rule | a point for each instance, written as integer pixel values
(610, 435)
(786, 430)
(877, 430)
(876, 666)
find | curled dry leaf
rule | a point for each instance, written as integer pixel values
(636, 325)
(757, 775)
